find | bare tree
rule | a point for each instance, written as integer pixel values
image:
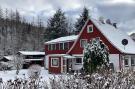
(18, 62)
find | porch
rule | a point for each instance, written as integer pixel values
(71, 64)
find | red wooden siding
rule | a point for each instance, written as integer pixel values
(55, 70)
(57, 51)
(96, 33)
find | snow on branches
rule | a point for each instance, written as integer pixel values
(96, 56)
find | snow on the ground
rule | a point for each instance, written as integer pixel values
(11, 74)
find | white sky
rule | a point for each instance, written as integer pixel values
(121, 11)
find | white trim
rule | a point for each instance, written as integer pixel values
(89, 27)
(56, 54)
(55, 59)
(78, 36)
(61, 64)
(83, 40)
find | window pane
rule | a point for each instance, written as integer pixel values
(83, 43)
(65, 45)
(126, 62)
(78, 60)
(61, 46)
(55, 62)
(132, 61)
(89, 29)
(49, 47)
(53, 46)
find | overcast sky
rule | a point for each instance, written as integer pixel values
(120, 11)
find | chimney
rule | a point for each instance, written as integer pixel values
(101, 19)
(115, 25)
(108, 21)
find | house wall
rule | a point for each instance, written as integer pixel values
(96, 33)
(55, 70)
(114, 58)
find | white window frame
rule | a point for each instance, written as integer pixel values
(52, 62)
(81, 42)
(67, 45)
(132, 58)
(88, 28)
(126, 58)
(62, 46)
(78, 63)
(51, 45)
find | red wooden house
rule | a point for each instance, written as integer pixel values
(65, 54)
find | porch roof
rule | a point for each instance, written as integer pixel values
(69, 56)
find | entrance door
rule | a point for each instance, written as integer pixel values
(69, 65)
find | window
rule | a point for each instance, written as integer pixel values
(126, 61)
(89, 28)
(61, 46)
(78, 60)
(55, 62)
(83, 43)
(66, 45)
(49, 46)
(52, 47)
(132, 61)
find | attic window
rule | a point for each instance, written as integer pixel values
(89, 28)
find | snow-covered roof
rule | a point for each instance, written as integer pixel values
(63, 39)
(10, 57)
(32, 53)
(34, 59)
(115, 36)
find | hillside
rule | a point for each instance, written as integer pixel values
(20, 35)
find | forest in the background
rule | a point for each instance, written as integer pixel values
(16, 33)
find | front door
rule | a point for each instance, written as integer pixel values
(69, 65)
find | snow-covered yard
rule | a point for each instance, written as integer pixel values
(11, 74)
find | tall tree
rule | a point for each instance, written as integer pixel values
(57, 26)
(96, 55)
(81, 20)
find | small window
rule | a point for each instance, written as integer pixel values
(66, 46)
(55, 62)
(83, 43)
(49, 46)
(89, 28)
(126, 61)
(53, 46)
(132, 61)
(78, 60)
(61, 46)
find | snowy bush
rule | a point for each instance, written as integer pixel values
(34, 71)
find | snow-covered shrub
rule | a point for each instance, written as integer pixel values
(34, 71)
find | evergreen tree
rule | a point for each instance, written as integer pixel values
(81, 20)
(57, 26)
(96, 55)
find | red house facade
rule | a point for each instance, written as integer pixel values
(65, 54)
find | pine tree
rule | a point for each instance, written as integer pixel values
(81, 20)
(57, 26)
(96, 55)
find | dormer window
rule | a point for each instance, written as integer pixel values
(89, 28)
